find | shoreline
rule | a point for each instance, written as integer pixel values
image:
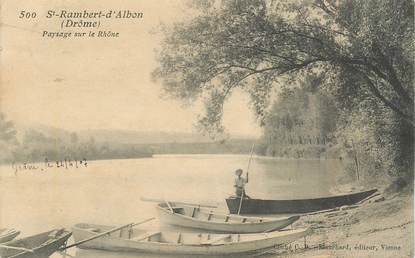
(380, 227)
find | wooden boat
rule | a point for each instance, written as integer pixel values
(37, 246)
(7, 234)
(133, 240)
(196, 217)
(259, 206)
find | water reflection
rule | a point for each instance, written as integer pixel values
(108, 192)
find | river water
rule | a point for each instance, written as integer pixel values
(109, 191)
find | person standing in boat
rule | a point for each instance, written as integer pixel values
(240, 183)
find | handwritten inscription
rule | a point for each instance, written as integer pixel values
(47, 164)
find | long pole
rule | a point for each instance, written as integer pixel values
(145, 199)
(356, 160)
(16, 248)
(169, 206)
(105, 233)
(247, 172)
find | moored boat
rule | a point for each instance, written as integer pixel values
(200, 218)
(133, 240)
(260, 206)
(7, 234)
(37, 246)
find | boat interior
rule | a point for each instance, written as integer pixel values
(7, 231)
(4, 231)
(208, 215)
(130, 233)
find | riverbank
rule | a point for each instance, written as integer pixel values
(380, 227)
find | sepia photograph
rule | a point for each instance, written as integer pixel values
(207, 128)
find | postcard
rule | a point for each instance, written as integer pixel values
(190, 128)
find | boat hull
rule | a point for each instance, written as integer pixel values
(8, 235)
(218, 224)
(259, 206)
(251, 243)
(41, 244)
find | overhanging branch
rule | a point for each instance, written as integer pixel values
(384, 100)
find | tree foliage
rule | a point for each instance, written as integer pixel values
(7, 130)
(301, 114)
(8, 141)
(257, 45)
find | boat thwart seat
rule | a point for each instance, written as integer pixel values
(146, 236)
(216, 239)
(178, 210)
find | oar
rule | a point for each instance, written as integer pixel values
(168, 205)
(16, 248)
(145, 199)
(141, 222)
(247, 171)
(105, 233)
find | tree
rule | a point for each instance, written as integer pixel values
(8, 140)
(302, 118)
(258, 44)
(74, 138)
(7, 130)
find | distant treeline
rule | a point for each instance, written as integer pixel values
(55, 145)
(231, 146)
(36, 146)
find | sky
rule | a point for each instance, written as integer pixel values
(96, 83)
